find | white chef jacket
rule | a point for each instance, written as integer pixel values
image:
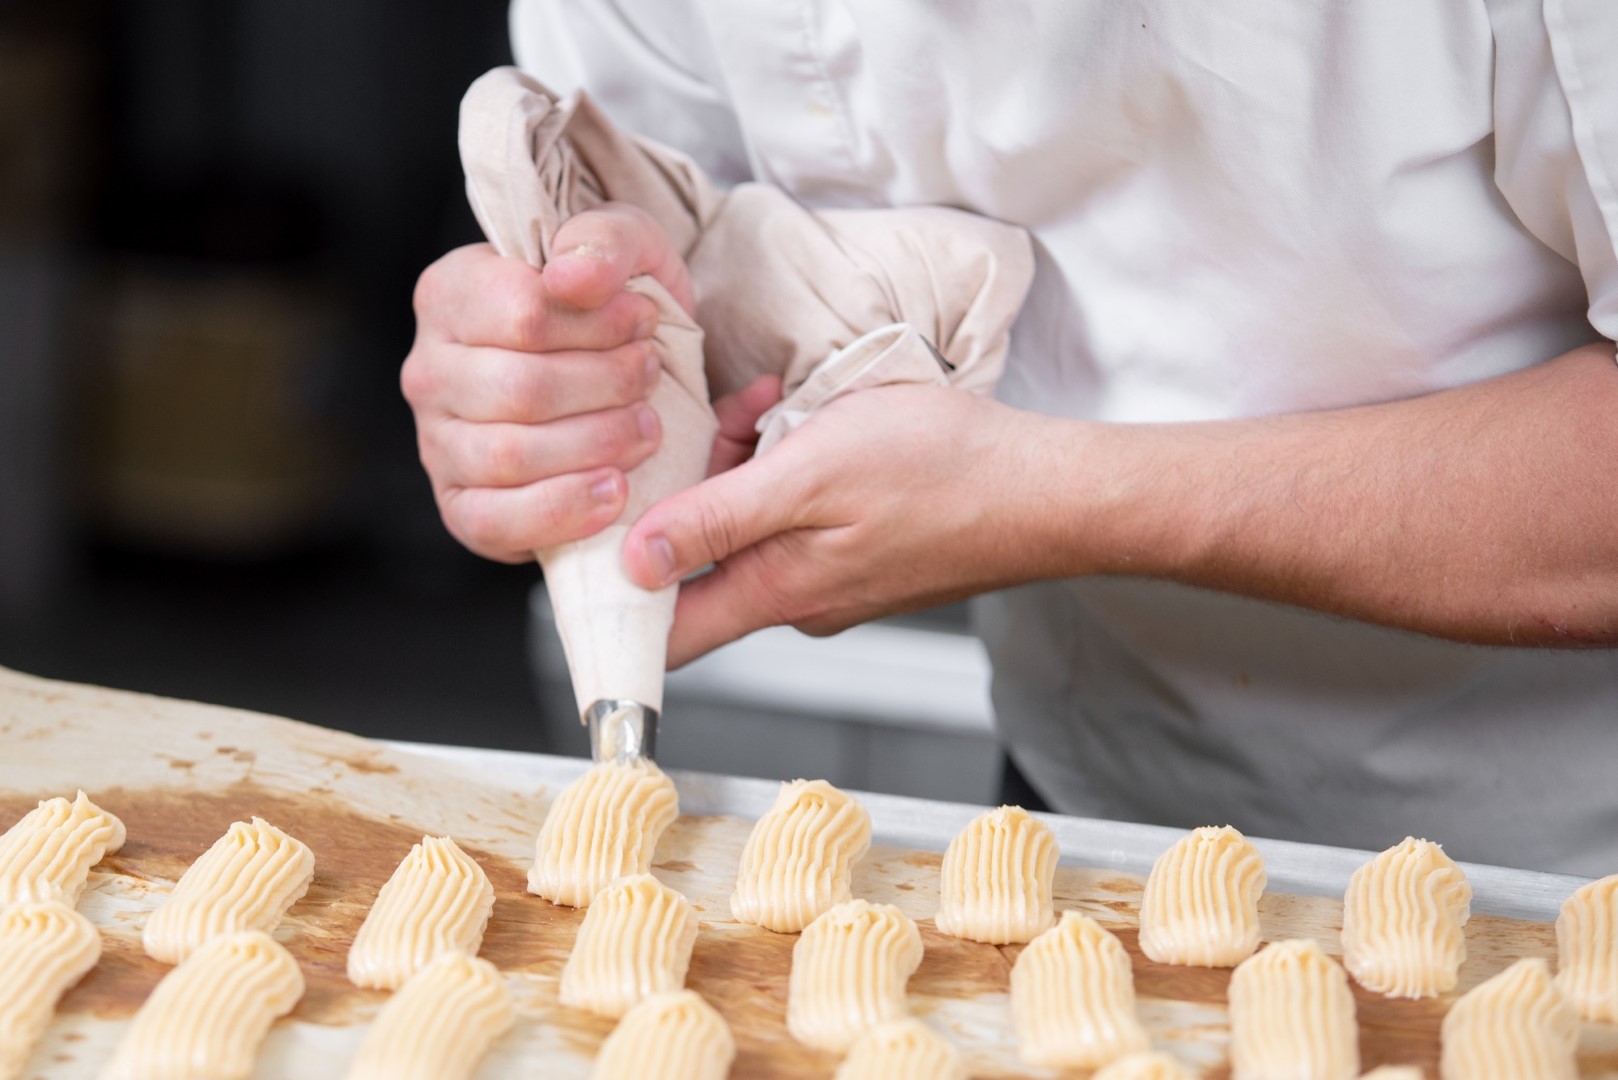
(1239, 209)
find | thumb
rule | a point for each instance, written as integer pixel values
(595, 252)
(715, 519)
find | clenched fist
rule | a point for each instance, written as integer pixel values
(529, 388)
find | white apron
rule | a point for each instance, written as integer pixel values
(1238, 210)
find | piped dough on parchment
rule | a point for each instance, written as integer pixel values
(1200, 907)
(1404, 916)
(603, 826)
(1515, 1026)
(635, 941)
(902, 1050)
(800, 856)
(1292, 1016)
(45, 947)
(995, 883)
(47, 855)
(246, 881)
(1587, 950)
(849, 970)
(672, 1036)
(439, 1025)
(208, 1017)
(1145, 1065)
(1073, 997)
(437, 901)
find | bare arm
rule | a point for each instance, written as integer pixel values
(1487, 513)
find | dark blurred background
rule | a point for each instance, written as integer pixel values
(212, 213)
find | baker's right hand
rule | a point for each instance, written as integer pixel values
(530, 389)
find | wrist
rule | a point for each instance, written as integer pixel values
(1099, 498)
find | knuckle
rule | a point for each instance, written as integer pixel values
(427, 297)
(606, 436)
(629, 373)
(715, 528)
(415, 378)
(528, 315)
(475, 524)
(502, 457)
(514, 391)
(555, 515)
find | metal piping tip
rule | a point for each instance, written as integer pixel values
(621, 731)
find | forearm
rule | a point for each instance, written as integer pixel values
(1487, 513)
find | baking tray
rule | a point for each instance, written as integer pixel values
(179, 773)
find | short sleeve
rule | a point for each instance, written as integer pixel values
(1556, 133)
(649, 63)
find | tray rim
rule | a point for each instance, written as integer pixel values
(928, 825)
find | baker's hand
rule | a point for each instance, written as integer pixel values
(529, 389)
(887, 500)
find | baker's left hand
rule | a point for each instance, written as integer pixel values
(887, 500)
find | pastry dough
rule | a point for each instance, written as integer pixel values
(1395, 1072)
(1402, 921)
(439, 1025)
(602, 827)
(1587, 950)
(672, 1036)
(246, 881)
(1073, 997)
(996, 879)
(902, 1050)
(1292, 1016)
(1146, 1065)
(636, 940)
(1515, 1026)
(44, 949)
(207, 1018)
(48, 854)
(800, 856)
(1201, 902)
(438, 900)
(849, 969)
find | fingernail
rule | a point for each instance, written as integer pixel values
(646, 420)
(660, 555)
(584, 251)
(654, 368)
(605, 490)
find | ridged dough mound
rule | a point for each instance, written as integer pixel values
(437, 901)
(800, 856)
(1073, 997)
(672, 1036)
(602, 827)
(246, 881)
(1147, 1065)
(439, 1025)
(902, 1050)
(207, 1018)
(1403, 919)
(1515, 1026)
(47, 855)
(849, 970)
(1395, 1072)
(1292, 1016)
(44, 949)
(635, 941)
(996, 879)
(1587, 950)
(1200, 907)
